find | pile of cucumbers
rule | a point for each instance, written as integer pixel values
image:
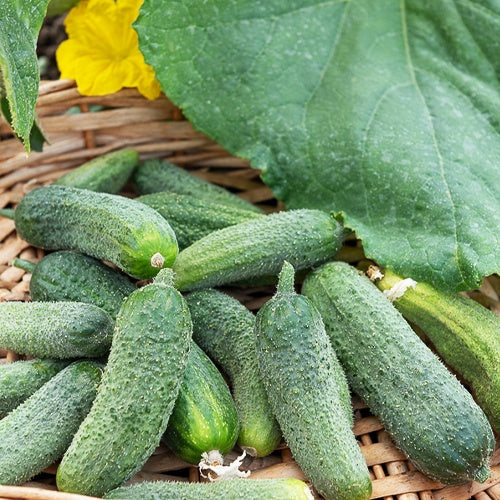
(131, 343)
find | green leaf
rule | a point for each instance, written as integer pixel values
(386, 111)
(20, 22)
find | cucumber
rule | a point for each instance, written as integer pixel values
(465, 334)
(140, 384)
(129, 234)
(309, 394)
(429, 414)
(192, 218)
(224, 329)
(107, 173)
(235, 489)
(20, 379)
(155, 175)
(204, 418)
(55, 329)
(72, 276)
(258, 247)
(36, 433)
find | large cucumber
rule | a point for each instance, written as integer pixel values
(140, 384)
(20, 379)
(204, 418)
(107, 173)
(465, 334)
(55, 329)
(263, 489)
(192, 218)
(155, 175)
(430, 415)
(308, 393)
(72, 276)
(224, 328)
(258, 247)
(36, 433)
(120, 230)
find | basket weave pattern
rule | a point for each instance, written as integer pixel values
(158, 129)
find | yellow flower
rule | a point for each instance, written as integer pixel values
(102, 52)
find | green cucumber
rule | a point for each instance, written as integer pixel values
(55, 329)
(429, 414)
(72, 276)
(192, 218)
(155, 175)
(258, 247)
(204, 418)
(20, 379)
(107, 173)
(234, 489)
(36, 433)
(224, 329)
(140, 384)
(465, 334)
(129, 234)
(309, 394)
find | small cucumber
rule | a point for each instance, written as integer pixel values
(309, 394)
(129, 234)
(258, 247)
(192, 218)
(20, 379)
(140, 384)
(465, 334)
(72, 276)
(429, 414)
(107, 173)
(204, 418)
(155, 175)
(36, 433)
(224, 329)
(260, 489)
(55, 329)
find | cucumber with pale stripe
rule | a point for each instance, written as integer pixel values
(224, 328)
(129, 234)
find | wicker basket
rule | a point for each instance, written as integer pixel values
(158, 129)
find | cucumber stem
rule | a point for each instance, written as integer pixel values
(8, 213)
(27, 265)
(286, 281)
(165, 277)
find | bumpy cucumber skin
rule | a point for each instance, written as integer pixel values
(465, 334)
(36, 433)
(224, 328)
(155, 175)
(237, 489)
(192, 218)
(309, 394)
(55, 329)
(140, 384)
(20, 379)
(72, 276)
(204, 416)
(106, 174)
(429, 414)
(105, 226)
(258, 247)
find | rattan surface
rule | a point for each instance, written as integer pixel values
(158, 129)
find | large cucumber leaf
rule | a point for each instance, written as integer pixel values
(20, 22)
(387, 111)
